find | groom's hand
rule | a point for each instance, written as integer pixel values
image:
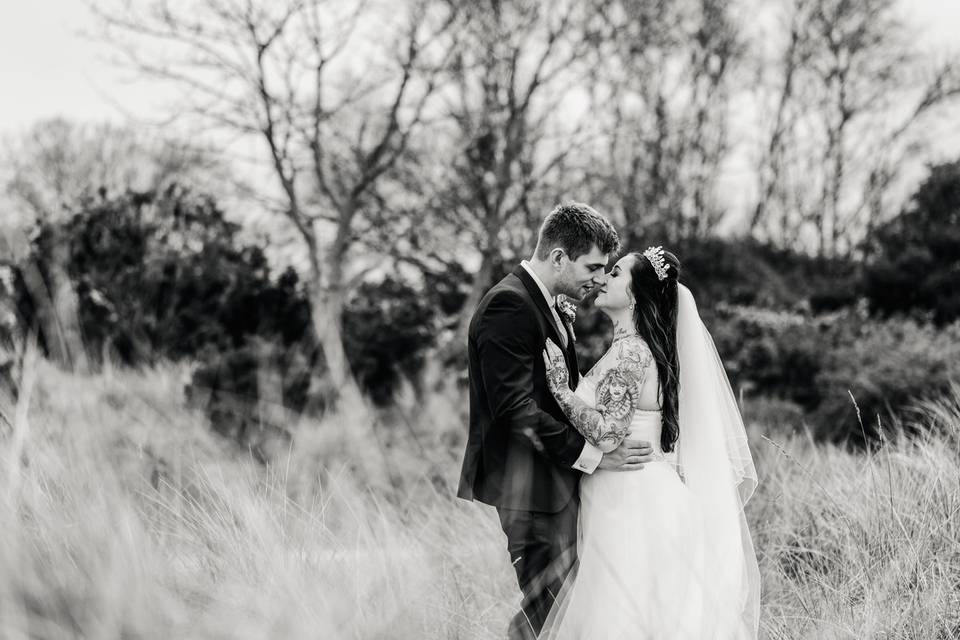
(631, 455)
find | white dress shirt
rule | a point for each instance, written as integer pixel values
(590, 456)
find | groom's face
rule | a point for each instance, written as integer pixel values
(581, 276)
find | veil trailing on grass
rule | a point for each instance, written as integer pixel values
(716, 464)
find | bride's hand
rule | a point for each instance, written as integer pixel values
(557, 374)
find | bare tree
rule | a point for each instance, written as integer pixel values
(661, 95)
(509, 125)
(771, 165)
(333, 90)
(830, 155)
(942, 89)
(58, 161)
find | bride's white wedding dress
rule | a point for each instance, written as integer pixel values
(660, 556)
(640, 548)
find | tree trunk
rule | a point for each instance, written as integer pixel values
(326, 312)
(67, 310)
(359, 428)
(55, 305)
(481, 283)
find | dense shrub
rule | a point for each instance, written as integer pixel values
(914, 261)
(744, 271)
(817, 361)
(445, 290)
(261, 385)
(593, 331)
(888, 367)
(388, 326)
(254, 392)
(775, 354)
(157, 275)
(162, 275)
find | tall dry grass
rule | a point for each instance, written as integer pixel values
(124, 517)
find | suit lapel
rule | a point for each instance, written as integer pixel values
(573, 365)
(541, 303)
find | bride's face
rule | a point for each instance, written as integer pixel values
(615, 292)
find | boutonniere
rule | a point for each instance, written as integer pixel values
(568, 312)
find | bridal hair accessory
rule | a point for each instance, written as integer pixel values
(655, 256)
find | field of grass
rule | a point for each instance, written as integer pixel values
(123, 516)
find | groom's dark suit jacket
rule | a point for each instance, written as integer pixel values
(520, 448)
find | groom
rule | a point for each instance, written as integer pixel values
(522, 455)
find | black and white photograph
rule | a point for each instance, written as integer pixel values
(480, 319)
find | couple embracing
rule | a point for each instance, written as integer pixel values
(620, 493)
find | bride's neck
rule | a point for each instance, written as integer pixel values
(623, 326)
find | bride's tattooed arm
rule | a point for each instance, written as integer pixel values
(617, 396)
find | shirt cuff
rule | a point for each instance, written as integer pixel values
(589, 458)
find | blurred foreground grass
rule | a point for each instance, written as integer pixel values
(124, 517)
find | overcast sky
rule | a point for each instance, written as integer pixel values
(47, 68)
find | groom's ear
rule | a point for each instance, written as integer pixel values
(557, 254)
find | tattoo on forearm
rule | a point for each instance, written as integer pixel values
(557, 377)
(617, 397)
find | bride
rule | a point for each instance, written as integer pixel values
(665, 552)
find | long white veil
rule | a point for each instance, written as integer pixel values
(716, 464)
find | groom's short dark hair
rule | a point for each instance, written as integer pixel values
(576, 228)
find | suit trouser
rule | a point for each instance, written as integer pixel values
(543, 548)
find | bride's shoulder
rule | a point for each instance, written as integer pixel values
(634, 350)
(627, 353)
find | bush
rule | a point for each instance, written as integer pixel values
(746, 272)
(914, 259)
(816, 361)
(388, 327)
(156, 275)
(261, 385)
(253, 393)
(161, 275)
(888, 367)
(775, 354)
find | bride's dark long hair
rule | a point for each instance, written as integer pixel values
(655, 316)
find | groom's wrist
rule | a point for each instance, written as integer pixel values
(589, 459)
